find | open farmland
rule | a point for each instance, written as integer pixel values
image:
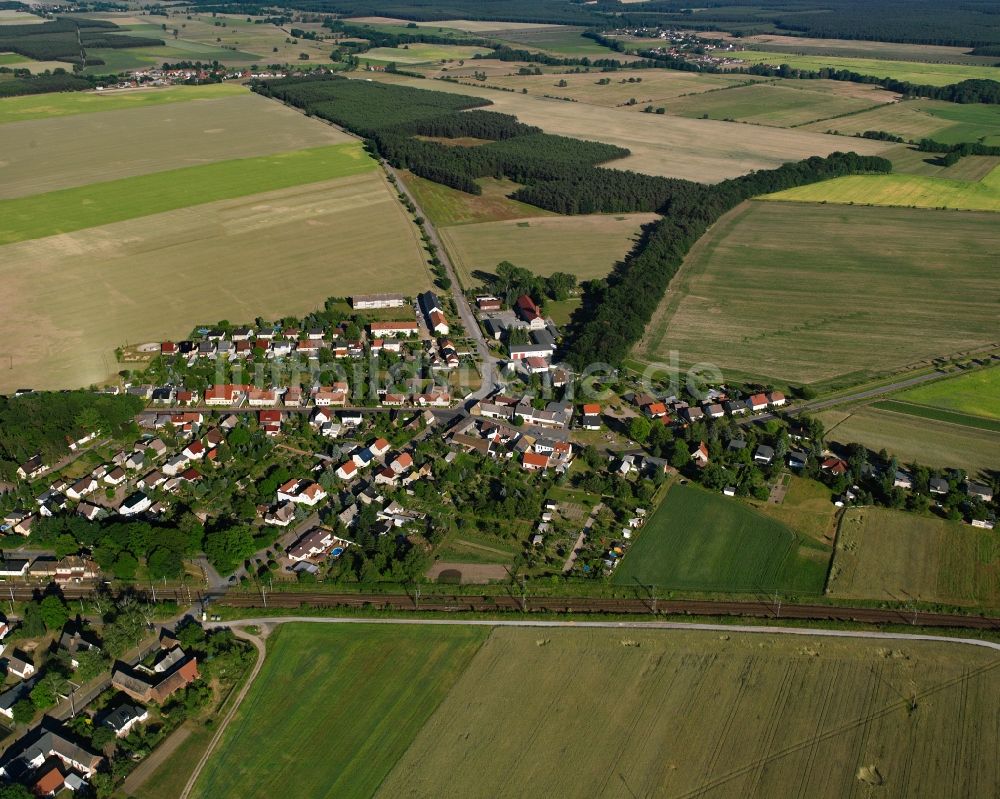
(975, 393)
(371, 687)
(911, 191)
(586, 246)
(784, 105)
(44, 155)
(422, 53)
(917, 119)
(67, 210)
(704, 150)
(912, 71)
(559, 40)
(654, 86)
(911, 438)
(270, 254)
(699, 540)
(892, 555)
(830, 294)
(630, 713)
(45, 106)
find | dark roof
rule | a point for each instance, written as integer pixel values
(119, 718)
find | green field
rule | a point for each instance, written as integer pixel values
(558, 40)
(807, 508)
(621, 714)
(830, 294)
(586, 246)
(785, 105)
(334, 708)
(44, 106)
(912, 71)
(976, 393)
(939, 414)
(702, 541)
(911, 438)
(422, 53)
(893, 555)
(447, 206)
(101, 203)
(911, 191)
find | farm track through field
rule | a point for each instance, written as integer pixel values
(584, 605)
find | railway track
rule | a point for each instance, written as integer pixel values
(584, 605)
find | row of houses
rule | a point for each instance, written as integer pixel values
(537, 449)
(716, 408)
(511, 409)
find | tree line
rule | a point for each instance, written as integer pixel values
(66, 39)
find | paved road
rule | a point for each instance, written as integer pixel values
(237, 701)
(486, 359)
(623, 625)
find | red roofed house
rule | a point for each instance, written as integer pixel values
(757, 402)
(488, 303)
(529, 312)
(380, 447)
(533, 461)
(776, 398)
(438, 323)
(835, 466)
(655, 410)
(347, 470)
(270, 421)
(168, 348)
(699, 454)
(224, 394)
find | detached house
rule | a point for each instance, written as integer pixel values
(301, 492)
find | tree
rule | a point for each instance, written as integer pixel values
(102, 737)
(92, 662)
(639, 429)
(15, 791)
(24, 712)
(33, 625)
(54, 613)
(227, 547)
(680, 457)
(43, 695)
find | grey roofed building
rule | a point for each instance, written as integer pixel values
(33, 750)
(15, 694)
(123, 717)
(764, 454)
(978, 490)
(736, 444)
(429, 302)
(798, 458)
(938, 485)
(543, 338)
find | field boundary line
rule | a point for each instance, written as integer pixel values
(621, 625)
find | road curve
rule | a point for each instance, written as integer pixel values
(620, 625)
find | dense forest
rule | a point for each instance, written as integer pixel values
(66, 39)
(44, 422)
(25, 83)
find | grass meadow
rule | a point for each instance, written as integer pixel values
(703, 150)
(974, 393)
(699, 540)
(940, 414)
(635, 713)
(559, 40)
(785, 105)
(334, 708)
(912, 71)
(46, 106)
(44, 155)
(447, 206)
(586, 246)
(830, 294)
(911, 438)
(265, 254)
(893, 555)
(68, 210)
(907, 191)
(854, 48)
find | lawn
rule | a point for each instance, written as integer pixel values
(829, 294)
(43, 155)
(910, 438)
(45, 106)
(807, 509)
(447, 206)
(912, 71)
(82, 207)
(585, 246)
(698, 540)
(785, 105)
(910, 191)
(334, 708)
(976, 393)
(422, 53)
(639, 713)
(266, 254)
(893, 555)
(704, 150)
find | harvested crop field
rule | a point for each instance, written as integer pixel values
(267, 254)
(704, 150)
(585, 246)
(630, 713)
(447, 206)
(812, 293)
(909, 191)
(422, 53)
(699, 540)
(910, 438)
(785, 105)
(68, 210)
(855, 48)
(370, 690)
(43, 155)
(897, 556)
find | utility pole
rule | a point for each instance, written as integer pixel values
(263, 595)
(524, 594)
(416, 597)
(777, 603)
(11, 599)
